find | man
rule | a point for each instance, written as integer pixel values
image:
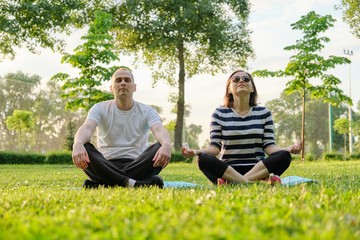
(123, 157)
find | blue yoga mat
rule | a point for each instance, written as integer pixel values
(286, 181)
(295, 180)
(178, 184)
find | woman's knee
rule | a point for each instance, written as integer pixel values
(201, 160)
(285, 157)
(278, 162)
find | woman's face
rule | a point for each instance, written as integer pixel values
(241, 84)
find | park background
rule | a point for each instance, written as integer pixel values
(46, 201)
(271, 31)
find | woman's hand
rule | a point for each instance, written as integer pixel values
(295, 148)
(188, 152)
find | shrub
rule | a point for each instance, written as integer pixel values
(59, 158)
(355, 156)
(21, 158)
(178, 157)
(333, 156)
(310, 157)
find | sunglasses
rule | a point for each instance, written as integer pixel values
(236, 79)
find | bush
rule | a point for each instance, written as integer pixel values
(21, 158)
(310, 157)
(333, 156)
(355, 156)
(59, 158)
(178, 157)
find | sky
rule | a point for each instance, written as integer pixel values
(269, 22)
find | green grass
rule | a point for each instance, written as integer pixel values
(46, 202)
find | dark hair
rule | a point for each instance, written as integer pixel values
(229, 98)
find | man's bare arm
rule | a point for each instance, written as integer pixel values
(82, 136)
(163, 155)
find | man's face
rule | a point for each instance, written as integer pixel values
(122, 84)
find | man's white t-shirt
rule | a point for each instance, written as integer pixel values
(122, 134)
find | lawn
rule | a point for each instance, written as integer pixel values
(46, 202)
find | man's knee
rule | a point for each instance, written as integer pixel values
(89, 146)
(155, 145)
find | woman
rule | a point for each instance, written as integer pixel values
(242, 134)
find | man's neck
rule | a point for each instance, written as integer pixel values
(124, 104)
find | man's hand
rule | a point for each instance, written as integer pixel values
(80, 156)
(162, 156)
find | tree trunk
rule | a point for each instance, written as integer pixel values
(181, 99)
(345, 152)
(303, 126)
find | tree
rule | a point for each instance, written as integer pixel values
(356, 127)
(184, 38)
(70, 134)
(17, 91)
(21, 121)
(92, 59)
(51, 120)
(35, 23)
(341, 125)
(159, 111)
(307, 65)
(351, 14)
(317, 126)
(192, 132)
(286, 111)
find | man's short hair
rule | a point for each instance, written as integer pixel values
(121, 68)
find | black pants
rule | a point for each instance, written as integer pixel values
(116, 172)
(213, 168)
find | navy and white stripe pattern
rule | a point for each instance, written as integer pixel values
(242, 138)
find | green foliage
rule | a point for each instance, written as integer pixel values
(354, 156)
(21, 91)
(21, 158)
(92, 59)
(341, 125)
(351, 15)
(286, 112)
(192, 133)
(212, 34)
(311, 157)
(307, 65)
(45, 202)
(183, 38)
(20, 120)
(59, 158)
(17, 91)
(178, 157)
(70, 134)
(331, 156)
(34, 23)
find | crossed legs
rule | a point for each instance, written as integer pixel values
(117, 172)
(213, 168)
